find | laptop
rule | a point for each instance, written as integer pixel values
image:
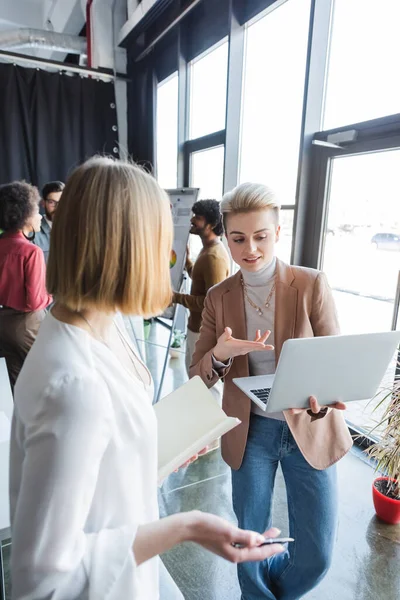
(333, 368)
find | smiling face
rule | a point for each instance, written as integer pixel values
(252, 237)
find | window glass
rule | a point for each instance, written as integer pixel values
(361, 254)
(167, 132)
(208, 80)
(274, 77)
(363, 77)
(284, 246)
(206, 173)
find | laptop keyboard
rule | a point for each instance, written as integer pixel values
(262, 394)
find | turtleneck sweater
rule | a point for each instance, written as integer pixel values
(259, 285)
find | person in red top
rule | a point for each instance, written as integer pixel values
(23, 295)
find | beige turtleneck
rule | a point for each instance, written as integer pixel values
(259, 285)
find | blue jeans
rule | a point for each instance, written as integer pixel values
(312, 505)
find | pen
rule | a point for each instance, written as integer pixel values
(269, 541)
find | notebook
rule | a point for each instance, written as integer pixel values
(189, 419)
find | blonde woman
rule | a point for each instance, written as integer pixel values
(268, 300)
(83, 481)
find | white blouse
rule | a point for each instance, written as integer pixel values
(83, 472)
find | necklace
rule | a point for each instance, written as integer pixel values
(101, 338)
(250, 301)
(93, 330)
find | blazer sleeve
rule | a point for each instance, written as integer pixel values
(202, 362)
(324, 318)
(53, 555)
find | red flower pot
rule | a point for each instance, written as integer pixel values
(387, 509)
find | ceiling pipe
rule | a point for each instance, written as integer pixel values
(45, 40)
(61, 67)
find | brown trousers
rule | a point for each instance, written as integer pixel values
(18, 331)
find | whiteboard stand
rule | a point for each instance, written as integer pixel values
(171, 335)
(161, 322)
(181, 202)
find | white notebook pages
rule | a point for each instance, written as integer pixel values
(188, 420)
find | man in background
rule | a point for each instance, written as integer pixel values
(211, 267)
(51, 195)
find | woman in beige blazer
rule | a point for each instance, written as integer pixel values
(266, 295)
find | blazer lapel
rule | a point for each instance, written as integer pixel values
(234, 317)
(285, 306)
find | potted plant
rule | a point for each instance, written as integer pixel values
(177, 341)
(386, 452)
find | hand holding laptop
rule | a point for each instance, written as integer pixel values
(228, 347)
(323, 371)
(316, 408)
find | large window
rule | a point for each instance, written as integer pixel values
(208, 78)
(362, 238)
(258, 106)
(167, 132)
(364, 65)
(362, 251)
(275, 60)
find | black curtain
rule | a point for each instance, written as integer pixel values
(141, 115)
(51, 122)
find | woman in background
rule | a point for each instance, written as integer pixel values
(83, 469)
(284, 301)
(23, 295)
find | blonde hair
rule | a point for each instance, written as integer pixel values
(249, 197)
(111, 240)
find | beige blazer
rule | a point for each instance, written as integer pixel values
(304, 307)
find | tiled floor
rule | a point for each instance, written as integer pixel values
(366, 563)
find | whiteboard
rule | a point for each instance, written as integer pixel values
(182, 201)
